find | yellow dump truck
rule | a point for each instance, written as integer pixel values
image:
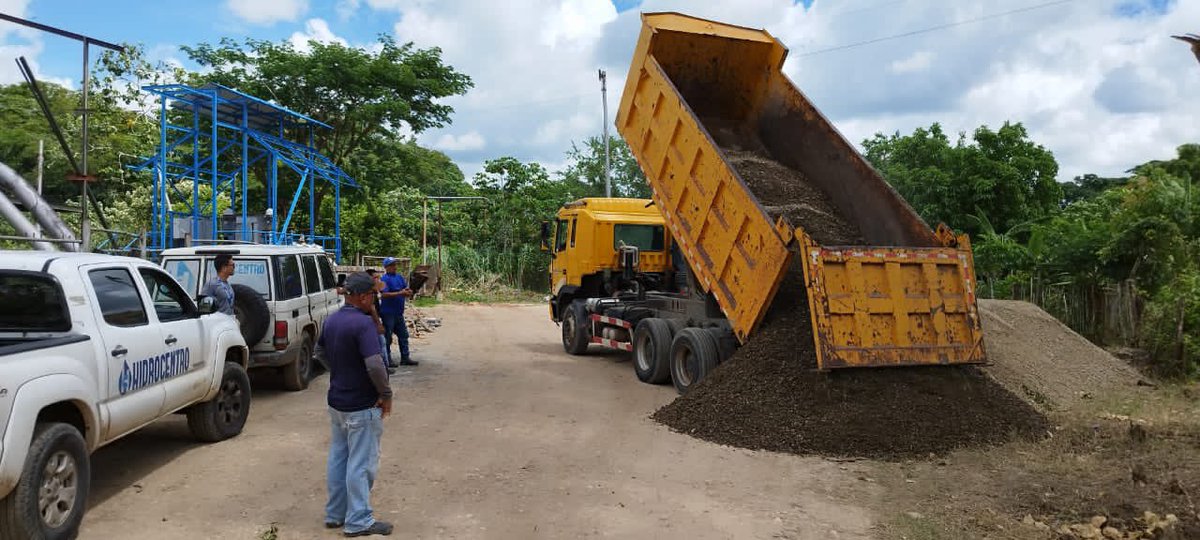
(751, 182)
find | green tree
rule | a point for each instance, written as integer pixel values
(586, 166)
(1003, 173)
(367, 96)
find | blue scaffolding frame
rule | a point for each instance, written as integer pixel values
(235, 132)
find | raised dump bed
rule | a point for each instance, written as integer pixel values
(753, 182)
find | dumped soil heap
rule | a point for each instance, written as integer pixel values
(785, 191)
(768, 396)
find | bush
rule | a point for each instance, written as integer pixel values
(1175, 349)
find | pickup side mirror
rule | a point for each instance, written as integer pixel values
(206, 305)
(545, 236)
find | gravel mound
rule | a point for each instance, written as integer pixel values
(1036, 356)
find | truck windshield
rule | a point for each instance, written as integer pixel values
(32, 302)
(645, 237)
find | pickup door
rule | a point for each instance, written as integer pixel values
(124, 326)
(183, 365)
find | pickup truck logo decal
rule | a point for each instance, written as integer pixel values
(143, 373)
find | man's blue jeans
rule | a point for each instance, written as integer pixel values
(353, 463)
(387, 351)
(393, 323)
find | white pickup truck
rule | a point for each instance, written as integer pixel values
(93, 347)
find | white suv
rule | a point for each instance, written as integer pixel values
(282, 296)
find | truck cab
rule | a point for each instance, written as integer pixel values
(586, 241)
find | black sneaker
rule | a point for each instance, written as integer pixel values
(391, 370)
(409, 362)
(382, 528)
(333, 524)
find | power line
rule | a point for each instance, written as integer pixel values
(936, 28)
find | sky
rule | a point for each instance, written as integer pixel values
(1100, 83)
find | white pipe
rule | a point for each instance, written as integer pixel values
(37, 206)
(22, 224)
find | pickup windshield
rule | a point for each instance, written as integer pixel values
(32, 302)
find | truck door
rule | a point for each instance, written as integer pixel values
(130, 344)
(182, 366)
(559, 264)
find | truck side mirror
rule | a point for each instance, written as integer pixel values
(206, 305)
(545, 236)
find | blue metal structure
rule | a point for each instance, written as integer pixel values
(214, 135)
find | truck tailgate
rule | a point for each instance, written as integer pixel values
(892, 306)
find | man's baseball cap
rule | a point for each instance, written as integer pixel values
(390, 261)
(359, 283)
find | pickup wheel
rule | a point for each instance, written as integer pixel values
(52, 493)
(223, 416)
(652, 351)
(694, 355)
(297, 373)
(575, 335)
(252, 313)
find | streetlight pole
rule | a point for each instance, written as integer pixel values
(604, 99)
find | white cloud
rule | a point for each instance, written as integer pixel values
(919, 61)
(314, 30)
(448, 142)
(267, 11)
(346, 9)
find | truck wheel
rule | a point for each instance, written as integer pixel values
(223, 416)
(652, 351)
(52, 493)
(575, 324)
(252, 313)
(693, 356)
(297, 373)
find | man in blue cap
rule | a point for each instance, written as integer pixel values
(391, 310)
(359, 399)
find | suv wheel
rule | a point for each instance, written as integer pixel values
(297, 373)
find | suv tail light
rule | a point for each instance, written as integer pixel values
(281, 335)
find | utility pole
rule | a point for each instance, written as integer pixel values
(604, 99)
(441, 271)
(424, 231)
(85, 226)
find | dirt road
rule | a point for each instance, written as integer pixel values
(498, 434)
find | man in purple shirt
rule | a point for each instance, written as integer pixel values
(359, 399)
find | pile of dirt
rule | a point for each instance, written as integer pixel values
(767, 397)
(784, 191)
(1034, 355)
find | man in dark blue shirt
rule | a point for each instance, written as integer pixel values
(391, 309)
(359, 399)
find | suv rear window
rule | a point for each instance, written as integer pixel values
(32, 302)
(287, 272)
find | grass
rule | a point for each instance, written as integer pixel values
(271, 533)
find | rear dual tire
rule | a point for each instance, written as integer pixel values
(652, 351)
(694, 355)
